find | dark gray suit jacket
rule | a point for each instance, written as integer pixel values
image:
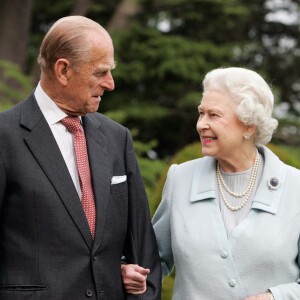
(46, 250)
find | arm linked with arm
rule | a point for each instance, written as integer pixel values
(2, 182)
(162, 227)
(140, 247)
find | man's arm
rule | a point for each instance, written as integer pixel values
(134, 278)
(2, 182)
(140, 248)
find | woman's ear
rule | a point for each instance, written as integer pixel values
(62, 70)
(250, 129)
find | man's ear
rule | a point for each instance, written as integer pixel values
(62, 70)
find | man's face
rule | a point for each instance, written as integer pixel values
(88, 81)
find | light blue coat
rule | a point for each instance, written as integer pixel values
(261, 252)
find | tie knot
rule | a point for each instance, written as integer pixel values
(72, 124)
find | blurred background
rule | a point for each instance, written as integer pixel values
(163, 49)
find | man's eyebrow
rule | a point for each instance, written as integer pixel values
(105, 67)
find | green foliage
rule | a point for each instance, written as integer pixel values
(288, 131)
(150, 168)
(219, 21)
(289, 155)
(153, 58)
(14, 85)
(117, 115)
(151, 171)
(4, 106)
(167, 288)
(174, 43)
(170, 48)
(158, 83)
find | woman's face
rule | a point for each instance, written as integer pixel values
(221, 132)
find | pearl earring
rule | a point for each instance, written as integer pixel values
(246, 136)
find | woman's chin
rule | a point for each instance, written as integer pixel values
(206, 151)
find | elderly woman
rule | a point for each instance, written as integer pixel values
(230, 221)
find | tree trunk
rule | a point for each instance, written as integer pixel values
(123, 14)
(15, 21)
(81, 7)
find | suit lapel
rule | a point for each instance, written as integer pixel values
(101, 169)
(42, 144)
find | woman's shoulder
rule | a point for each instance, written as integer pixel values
(188, 166)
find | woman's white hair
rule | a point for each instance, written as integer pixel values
(252, 95)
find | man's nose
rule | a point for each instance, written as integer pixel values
(108, 82)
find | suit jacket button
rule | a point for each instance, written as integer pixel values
(89, 293)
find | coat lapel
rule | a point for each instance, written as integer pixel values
(42, 144)
(203, 187)
(267, 199)
(99, 159)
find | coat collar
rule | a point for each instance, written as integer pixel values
(265, 199)
(204, 187)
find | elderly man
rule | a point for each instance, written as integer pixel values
(72, 200)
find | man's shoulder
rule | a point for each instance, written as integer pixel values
(99, 117)
(11, 114)
(105, 122)
(16, 108)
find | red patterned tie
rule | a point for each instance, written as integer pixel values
(87, 198)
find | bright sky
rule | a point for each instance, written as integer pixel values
(284, 11)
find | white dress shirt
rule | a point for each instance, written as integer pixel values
(64, 139)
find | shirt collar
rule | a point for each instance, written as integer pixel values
(52, 113)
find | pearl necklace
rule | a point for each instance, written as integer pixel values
(248, 191)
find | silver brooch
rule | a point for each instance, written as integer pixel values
(273, 183)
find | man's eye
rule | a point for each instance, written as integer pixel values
(100, 73)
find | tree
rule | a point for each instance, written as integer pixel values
(15, 21)
(125, 11)
(273, 47)
(172, 44)
(81, 7)
(159, 76)
(164, 48)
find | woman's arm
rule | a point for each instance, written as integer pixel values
(134, 276)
